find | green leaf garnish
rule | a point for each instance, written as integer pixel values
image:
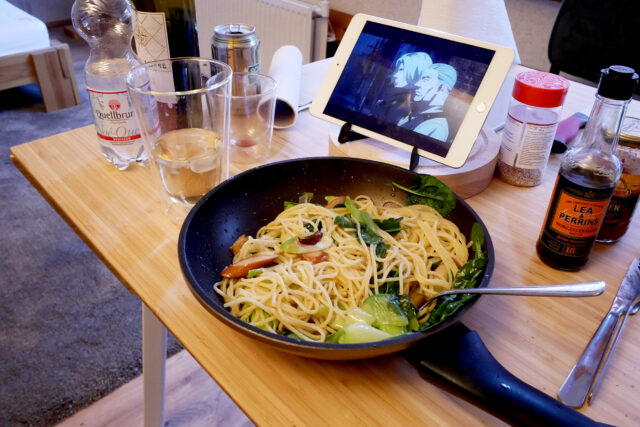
(429, 190)
(367, 227)
(467, 277)
(390, 225)
(255, 273)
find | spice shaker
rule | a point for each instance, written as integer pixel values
(534, 113)
(625, 196)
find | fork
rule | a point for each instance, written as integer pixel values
(583, 289)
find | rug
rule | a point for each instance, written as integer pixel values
(71, 333)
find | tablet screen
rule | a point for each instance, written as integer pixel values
(409, 86)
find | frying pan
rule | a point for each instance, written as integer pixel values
(244, 203)
(250, 200)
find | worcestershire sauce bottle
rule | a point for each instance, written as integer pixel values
(587, 177)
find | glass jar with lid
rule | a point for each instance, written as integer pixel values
(625, 197)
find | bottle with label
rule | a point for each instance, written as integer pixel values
(531, 124)
(625, 197)
(108, 27)
(587, 177)
(166, 29)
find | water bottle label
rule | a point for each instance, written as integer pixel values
(152, 41)
(113, 116)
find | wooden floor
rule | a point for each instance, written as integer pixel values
(192, 398)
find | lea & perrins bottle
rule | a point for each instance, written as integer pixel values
(587, 177)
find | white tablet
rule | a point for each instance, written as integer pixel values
(410, 86)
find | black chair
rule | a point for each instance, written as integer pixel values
(589, 35)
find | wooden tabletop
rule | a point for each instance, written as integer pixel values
(537, 339)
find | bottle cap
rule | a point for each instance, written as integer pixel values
(617, 82)
(540, 89)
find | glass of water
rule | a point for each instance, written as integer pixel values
(182, 108)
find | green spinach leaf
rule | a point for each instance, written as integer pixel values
(467, 277)
(367, 227)
(477, 239)
(410, 311)
(390, 225)
(429, 190)
(390, 286)
(344, 222)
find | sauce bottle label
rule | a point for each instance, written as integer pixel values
(621, 208)
(114, 118)
(578, 217)
(573, 219)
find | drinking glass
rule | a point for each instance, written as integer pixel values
(182, 109)
(252, 110)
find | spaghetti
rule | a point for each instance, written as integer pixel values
(302, 297)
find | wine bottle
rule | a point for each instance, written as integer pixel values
(166, 29)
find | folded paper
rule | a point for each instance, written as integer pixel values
(286, 69)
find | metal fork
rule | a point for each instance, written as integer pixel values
(583, 289)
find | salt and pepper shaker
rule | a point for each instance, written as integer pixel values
(530, 128)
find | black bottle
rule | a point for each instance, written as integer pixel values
(588, 175)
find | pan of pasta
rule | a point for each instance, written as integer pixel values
(334, 258)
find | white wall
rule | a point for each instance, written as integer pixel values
(399, 10)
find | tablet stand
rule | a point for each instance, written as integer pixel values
(466, 181)
(347, 135)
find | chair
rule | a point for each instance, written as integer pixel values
(589, 35)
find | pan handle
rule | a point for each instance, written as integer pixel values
(463, 360)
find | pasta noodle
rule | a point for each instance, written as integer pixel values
(301, 297)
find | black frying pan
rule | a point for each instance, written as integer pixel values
(252, 199)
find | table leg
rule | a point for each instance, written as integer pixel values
(154, 352)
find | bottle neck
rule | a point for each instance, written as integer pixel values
(603, 128)
(110, 48)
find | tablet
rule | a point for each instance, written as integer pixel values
(410, 86)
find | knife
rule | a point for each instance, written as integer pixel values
(584, 376)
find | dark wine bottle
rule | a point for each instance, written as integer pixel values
(166, 29)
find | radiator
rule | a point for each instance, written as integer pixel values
(278, 22)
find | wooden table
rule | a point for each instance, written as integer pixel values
(537, 339)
